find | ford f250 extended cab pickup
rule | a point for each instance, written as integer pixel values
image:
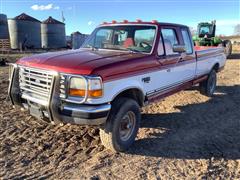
(119, 69)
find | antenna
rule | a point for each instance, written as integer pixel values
(63, 18)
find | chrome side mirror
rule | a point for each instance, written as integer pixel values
(179, 48)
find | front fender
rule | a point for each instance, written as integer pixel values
(114, 88)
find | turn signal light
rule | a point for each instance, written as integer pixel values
(91, 93)
(95, 93)
(77, 92)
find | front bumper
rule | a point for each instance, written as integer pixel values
(85, 114)
(55, 110)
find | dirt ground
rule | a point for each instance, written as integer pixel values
(185, 136)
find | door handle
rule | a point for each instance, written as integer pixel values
(182, 57)
(180, 60)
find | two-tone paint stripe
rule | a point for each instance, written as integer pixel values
(174, 89)
(167, 88)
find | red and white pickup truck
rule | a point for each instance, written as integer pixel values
(119, 69)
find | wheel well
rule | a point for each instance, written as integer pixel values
(216, 67)
(134, 94)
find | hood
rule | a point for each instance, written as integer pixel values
(79, 61)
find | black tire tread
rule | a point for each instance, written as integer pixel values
(203, 86)
(106, 134)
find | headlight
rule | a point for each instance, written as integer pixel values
(77, 87)
(87, 86)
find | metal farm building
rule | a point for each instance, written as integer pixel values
(78, 39)
(53, 34)
(25, 32)
(3, 27)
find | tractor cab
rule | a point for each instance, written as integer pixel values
(206, 29)
(206, 36)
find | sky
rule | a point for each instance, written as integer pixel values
(85, 15)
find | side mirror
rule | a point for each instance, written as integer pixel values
(179, 48)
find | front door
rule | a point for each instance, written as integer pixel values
(175, 69)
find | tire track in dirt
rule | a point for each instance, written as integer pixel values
(31, 148)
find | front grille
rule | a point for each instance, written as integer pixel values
(63, 86)
(35, 84)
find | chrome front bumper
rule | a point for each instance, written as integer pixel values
(85, 114)
(56, 110)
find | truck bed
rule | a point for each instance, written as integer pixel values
(207, 56)
(207, 50)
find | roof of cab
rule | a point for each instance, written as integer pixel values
(141, 23)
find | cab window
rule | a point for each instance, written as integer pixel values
(187, 41)
(170, 39)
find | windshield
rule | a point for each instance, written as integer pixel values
(204, 30)
(130, 38)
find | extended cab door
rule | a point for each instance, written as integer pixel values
(188, 62)
(178, 67)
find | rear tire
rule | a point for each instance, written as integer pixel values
(208, 86)
(122, 125)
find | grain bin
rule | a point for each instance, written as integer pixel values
(53, 33)
(78, 39)
(25, 32)
(3, 27)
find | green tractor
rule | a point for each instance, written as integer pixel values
(206, 37)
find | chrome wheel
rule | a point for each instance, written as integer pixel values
(127, 125)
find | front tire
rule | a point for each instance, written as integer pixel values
(208, 86)
(122, 125)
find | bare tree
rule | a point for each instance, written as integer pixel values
(193, 31)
